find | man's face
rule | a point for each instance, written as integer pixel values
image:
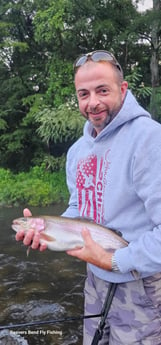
(100, 93)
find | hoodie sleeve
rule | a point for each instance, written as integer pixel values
(144, 253)
(72, 210)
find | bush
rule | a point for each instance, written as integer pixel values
(38, 187)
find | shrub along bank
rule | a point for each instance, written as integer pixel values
(38, 187)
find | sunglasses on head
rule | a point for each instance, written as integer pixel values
(96, 56)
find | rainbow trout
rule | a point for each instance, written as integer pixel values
(62, 233)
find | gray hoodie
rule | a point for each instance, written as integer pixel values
(115, 179)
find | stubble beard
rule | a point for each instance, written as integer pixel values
(109, 117)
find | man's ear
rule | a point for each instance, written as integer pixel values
(124, 86)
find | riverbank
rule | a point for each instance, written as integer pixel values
(38, 187)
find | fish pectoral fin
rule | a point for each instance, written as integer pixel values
(46, 237)
(28, 251)
(77, 247)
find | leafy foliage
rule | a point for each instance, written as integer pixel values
(37, 187)
(39, 41)
(59, 125)
(137, 86)
(155, 104)
(55, 163)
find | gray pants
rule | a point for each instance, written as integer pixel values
(135, 314)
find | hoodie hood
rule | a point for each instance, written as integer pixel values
(129, 111)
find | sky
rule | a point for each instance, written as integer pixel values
(145, 4)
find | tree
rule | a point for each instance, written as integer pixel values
(39, 41)
(155, 42)
(21, 70)
(72, 27)
(148, 26)
(156, 48)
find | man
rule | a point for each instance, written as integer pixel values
(113, 175)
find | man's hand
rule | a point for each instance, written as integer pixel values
(92, 252)
(32, 237)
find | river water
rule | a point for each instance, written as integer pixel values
(43, 286)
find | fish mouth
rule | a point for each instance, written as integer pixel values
(18, 221)
(15, 221)
(15, 227)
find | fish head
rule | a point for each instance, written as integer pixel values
(26, 223)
